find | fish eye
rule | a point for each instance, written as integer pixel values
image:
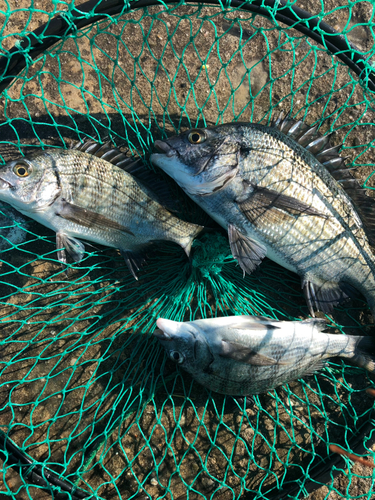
(177, 357)
(196, 136)
(22, 170)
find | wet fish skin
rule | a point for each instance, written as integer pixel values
(245, 355)
(276, 199)
(82, 196)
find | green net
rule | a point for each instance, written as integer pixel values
(86, 391)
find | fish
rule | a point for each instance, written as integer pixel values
(281, 191)
(247, 355)
(95, 193)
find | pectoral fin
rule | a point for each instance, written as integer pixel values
(248, 252)
(88, 218)
(75, 248)
(257, 202)
(240, 352)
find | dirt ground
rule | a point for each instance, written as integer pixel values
(84, 388)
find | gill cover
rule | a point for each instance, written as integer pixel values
(201, 161)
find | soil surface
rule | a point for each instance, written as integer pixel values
(84, 388)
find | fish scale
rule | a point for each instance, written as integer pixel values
(277, 199)
(81, 195)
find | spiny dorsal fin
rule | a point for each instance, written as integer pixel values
(328, 155)
(155, 187)
(308, 137)
(106, 151)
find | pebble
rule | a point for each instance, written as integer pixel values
(182, 420)
(207, 482)
(154, 482)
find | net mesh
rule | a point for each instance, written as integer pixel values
(85, 389)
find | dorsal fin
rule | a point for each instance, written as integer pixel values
(155, 187)
(106, 151)
(328, 155)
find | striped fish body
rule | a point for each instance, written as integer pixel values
(244, 355)
(277, 198)
(80, 195)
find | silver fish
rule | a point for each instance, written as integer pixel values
(282, 192)
(81, 193)
(244, 355)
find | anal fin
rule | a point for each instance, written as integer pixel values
(134, 260)
(322, 297)
(316, 366)
(248, 252)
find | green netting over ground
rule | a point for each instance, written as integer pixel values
(84, 387)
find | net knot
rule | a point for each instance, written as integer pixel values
(24, 50)
(210, 253)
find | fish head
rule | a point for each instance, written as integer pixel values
(202, 160)
(184, 344)
(28, 183)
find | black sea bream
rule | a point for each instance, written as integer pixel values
(81, 193)
(281, 192)
(244, 355)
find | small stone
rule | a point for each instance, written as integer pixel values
(154, 482)
(207, 482)
(182, 420)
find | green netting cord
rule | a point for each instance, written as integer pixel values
(85, 390)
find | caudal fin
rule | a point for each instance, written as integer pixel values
(361, 352)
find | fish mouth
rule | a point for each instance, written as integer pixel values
(159, 334)
(5, 184)
(164, 147)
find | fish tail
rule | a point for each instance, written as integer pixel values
(187, 242)
(361, 351)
